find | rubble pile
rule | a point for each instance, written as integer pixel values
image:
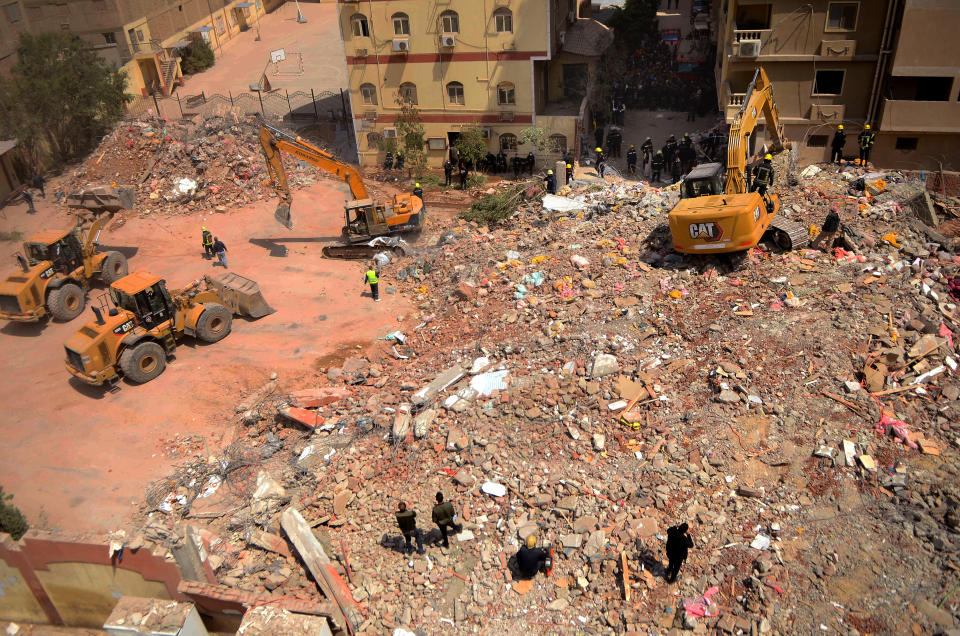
(565, 374)
(181, 167)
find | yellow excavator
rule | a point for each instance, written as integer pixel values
(57, 267)
(134, 337)
(717, 215)
(366, 220)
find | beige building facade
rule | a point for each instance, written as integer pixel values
(141, 36)
(501, 65)
(893, 64)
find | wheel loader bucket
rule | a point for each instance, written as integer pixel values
(282, 214)
(240, 295)
(102, 199)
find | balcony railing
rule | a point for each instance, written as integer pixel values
(750, 34)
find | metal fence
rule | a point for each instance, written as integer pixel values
(280, 105)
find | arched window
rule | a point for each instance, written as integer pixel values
(408, 92)
(369, 94)
(508, 141)
(450, 22)
(503, 20)
(374, 139)
(359, 26)
(558, 143)
(506, 94)
(455, 93)
(401, 24)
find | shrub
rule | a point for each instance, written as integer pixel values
(198, 56)
(12, 520)
(496, 207)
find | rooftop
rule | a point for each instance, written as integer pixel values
(6, 145)
(587, 37)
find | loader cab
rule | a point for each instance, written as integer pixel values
(63, 249)
(144, 295)
(704, 180)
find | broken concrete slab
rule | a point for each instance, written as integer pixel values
(439, 383)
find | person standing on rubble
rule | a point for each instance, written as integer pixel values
(865, 141)
(632, 160)
(464, 173)
(399, 160)
(839, 140)
(763, 176)
(388, 161)
(418, 191)
(531, 162)
(569, 172)
(372, 278)
(516, 163)
(206, 239)
(656, 166)
(447, 173)
(831, 225)
(28, 199)
(443, 516)
(407, 520)
(601, 162)
(676, 170)
(221, 251)
(678, 543)
(550, 182)
(647, 149)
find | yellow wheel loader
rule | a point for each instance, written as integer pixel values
(717, 217)
(135, 336)
(57, 267)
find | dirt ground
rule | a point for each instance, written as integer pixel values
(77, 457)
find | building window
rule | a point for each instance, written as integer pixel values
(408, 92)
(503, 21)
(842, 16)
(919, 88)
(753, 17)
(13, 12)
(220, 29)
(508, 141)
(359, 26)
(506, 95)
(449, 22)
(110, 38)
(817, 141)
(558, 143)
(906, 143)
(401, 24)
(455, 93)
(139, 35)
(374, 139)
(369, 94)
(828, 83)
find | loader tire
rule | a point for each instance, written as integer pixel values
(66, 302)
(113, 267)
(143, 362)
(214, 323)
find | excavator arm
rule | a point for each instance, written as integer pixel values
(759, 99)
(274, 140)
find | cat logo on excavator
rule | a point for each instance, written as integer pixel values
(707, 231)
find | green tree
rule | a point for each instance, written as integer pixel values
(12, 520)
(539, 138)
(471, 145)
(412, 136)
(635, 22)
(61, 98)
(198, 56)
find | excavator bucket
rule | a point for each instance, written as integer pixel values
(282, 214)
(240, 295)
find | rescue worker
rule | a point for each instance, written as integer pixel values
(418, 192)
(501, 161)
(400, 160)
(656, 165)
(763, 176)
(670, 149)
(676, 170)
(531, 559)
(600, 161)
(550, 182)
(632, 160)
(531, 162)
(372, 278)
(464, 173)
(839, 139)
(517, 165)
(388, 161)
(206, 239)
(407, 521)
(865, 141)
(647, 149)
(443, 516)
(221, 251)
(678, 543)
(569, 172)
(447, 173)
(687, 154)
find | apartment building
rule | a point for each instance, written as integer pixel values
(501, 65)
(893, 64)
(141, 36)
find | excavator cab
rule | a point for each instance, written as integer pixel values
(704, 180)
(364, 220)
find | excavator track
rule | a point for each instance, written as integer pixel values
(359, 252)
(788, 235)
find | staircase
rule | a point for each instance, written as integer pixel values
(169, 71)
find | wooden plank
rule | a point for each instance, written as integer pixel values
(626, 576)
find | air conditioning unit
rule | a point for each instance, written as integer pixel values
(401, 45)
(750, 48)
(571, 17)
(360, 53)
(389, 133)
(448, 41)
(506, 115)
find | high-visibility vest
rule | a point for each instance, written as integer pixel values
(763, 174)
(372, 277)
(207, 238)
(866, 140)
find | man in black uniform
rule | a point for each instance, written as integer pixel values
(550, 182)
(531, 559)
(531, 162)
(388, 161)
(447, 173)
(687, 154)
(501, 161)
(763, 176)
(839, 139)
(517, 164)
(418, 192)
(463, 176)
(647, 149)
(632, 160)
(677, 169)
(678, 543)
(670, 149)
(407, 520)
(656, 165)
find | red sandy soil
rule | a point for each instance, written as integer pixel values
(78, 458)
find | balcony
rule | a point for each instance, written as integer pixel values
(904, 115)
(734, 101)
(745, 42)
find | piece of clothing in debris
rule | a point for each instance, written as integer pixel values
(530, 561)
